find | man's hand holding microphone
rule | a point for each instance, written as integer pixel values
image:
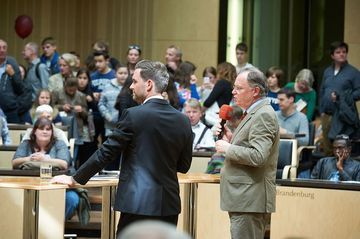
(223, 133)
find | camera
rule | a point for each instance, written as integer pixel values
(206, 80)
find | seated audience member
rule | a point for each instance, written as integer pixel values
(305, 94)
(44, 97)
(152, 229)
(47, 112)
(341, 167)
(275, 81)
(217, 160)
(43, 146)
(203, 135)
(5, 137)
(292, 121)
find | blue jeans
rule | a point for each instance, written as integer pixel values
(71, 203)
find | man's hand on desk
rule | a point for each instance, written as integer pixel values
(63, 179)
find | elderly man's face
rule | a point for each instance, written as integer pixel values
(244, 95)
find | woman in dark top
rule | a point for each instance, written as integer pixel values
(221, 93)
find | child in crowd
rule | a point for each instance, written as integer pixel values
(204, 138)
(133, 57)
(44, 98)
(185, 82)
(103, 74)
(209, 80)
(50, 57)
(108, 99)
(5, 137)
(88, 148)
(275, 81)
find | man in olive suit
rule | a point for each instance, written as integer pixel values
(247, 183)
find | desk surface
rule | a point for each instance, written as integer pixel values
(314, 183)
(36, 183)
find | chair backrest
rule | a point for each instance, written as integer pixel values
(312, 131)
(6, 155)
(287, 159)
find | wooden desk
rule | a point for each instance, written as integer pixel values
(35, 208)
(203, 218)
(316, 209)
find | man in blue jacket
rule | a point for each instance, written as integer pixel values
(338, 78)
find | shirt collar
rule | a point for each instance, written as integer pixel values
(153, 97)
(255, 104)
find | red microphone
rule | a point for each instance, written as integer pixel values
(224, 114)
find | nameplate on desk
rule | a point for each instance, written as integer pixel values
(296, 193)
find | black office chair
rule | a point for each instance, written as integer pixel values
(287, 162)
(305, 153)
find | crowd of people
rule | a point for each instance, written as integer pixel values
(93, 99)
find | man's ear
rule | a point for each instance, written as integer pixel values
(257, 91)
(149, 85)
(292, 98)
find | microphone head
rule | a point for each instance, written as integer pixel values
(225, 112)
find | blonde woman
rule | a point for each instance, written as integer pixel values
(68, 65)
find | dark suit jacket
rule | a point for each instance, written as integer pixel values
(156, 142)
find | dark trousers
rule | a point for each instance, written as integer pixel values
(128, 218)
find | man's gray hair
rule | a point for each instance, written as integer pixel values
(256, 78)
(149, 229)
(155, 71)
(34, 47)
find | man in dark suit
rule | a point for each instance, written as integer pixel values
(155, 141)
(247, 182)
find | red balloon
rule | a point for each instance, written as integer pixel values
(23, 26)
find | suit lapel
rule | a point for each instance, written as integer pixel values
(247, 118)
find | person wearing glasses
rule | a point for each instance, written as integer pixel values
(341, 167)
(133, 57)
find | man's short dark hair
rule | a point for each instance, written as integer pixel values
(242, 47)
(288, 92)
(48, 40)
(338, 44)
(102, 53)
(345, 138)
